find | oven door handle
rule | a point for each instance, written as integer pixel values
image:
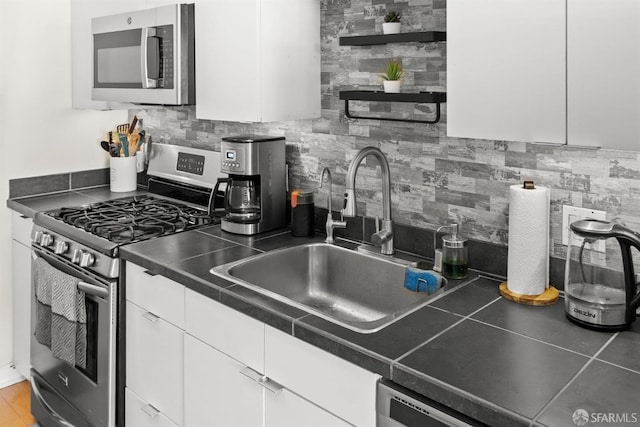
(38, 394)
(94, 290)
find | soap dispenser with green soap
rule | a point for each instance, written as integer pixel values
(452, 259)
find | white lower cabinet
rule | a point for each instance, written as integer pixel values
(216, 393)
(294, 383)
(219, 367)
(154, 348)
(21, 291)
(142, 414)
(286, 409)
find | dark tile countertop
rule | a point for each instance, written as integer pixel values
(501, 363)
(496, 361)
(29, 205)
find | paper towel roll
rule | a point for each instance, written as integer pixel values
(528, 258)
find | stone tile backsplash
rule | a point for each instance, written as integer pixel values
(435, 179)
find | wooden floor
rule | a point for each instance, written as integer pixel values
(15, 406)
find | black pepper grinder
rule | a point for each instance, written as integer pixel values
(302, 213)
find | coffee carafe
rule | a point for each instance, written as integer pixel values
(601, 290)
(242, 199)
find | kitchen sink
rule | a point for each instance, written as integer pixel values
(359, 291)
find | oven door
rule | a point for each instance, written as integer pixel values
(61, 390)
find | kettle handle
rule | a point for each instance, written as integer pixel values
(626, 241)
(213, 206)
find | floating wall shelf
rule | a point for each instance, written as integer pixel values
(422, 36)
(416, 98)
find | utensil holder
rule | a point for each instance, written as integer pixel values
(123, 174)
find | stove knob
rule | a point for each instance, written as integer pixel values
(87, 259)
(76, 255)
(37, 237)
(46, 240)
(61, 247)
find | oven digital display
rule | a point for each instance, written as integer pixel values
(190, 163)
(230, 155)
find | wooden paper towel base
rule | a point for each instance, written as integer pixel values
(550, 296)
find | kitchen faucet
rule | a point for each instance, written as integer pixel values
(382, 237)
(331, 224)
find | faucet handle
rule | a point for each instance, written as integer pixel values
(377, 221)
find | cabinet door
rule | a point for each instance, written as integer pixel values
(231, 332)
(155, 360)
(21, 300)
(141, 414)
(227, 65)
(285, 409)
(157, 294)
(506, 69)
(216, 392)
(331, 383)
(250, 67)
(603, 54)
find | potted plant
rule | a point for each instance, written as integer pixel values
(392, 75)
(391, 23)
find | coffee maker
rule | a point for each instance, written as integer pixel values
(255, 194)
(598, 294)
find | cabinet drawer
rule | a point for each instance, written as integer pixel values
(332, 383)
(216, 393)
(155, 361)
(157, 294)
(139, 413)
(231, 332)
(21, 228)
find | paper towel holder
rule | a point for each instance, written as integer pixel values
(548, 297)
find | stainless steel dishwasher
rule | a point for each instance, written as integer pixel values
(398, 406)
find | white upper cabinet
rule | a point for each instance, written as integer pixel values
(506, 70)
(257, 60)
(558, 71)
(603, 68)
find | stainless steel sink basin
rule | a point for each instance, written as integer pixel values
(358, 291)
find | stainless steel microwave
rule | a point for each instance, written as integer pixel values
(145, 56)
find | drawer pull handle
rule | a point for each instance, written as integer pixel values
(150, 317)
(150, 273)
(271, 385)
(264, 381)
(150, 410)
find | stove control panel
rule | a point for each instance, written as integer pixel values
(68, 250)
(190, 163)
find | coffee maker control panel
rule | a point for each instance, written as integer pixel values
(233, 161)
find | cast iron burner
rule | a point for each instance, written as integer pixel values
(132, 219)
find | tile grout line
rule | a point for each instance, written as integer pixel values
(573, 378)
(531, 338)
(397, 359)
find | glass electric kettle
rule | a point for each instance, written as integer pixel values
(601, 290)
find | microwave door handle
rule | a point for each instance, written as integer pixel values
(145, 34)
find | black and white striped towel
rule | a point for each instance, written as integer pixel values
(61, 319)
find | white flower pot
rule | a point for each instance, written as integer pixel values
(391, 86)
(390, 27)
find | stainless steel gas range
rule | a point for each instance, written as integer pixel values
(76, 283)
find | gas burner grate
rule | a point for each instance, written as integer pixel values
(132, 219)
